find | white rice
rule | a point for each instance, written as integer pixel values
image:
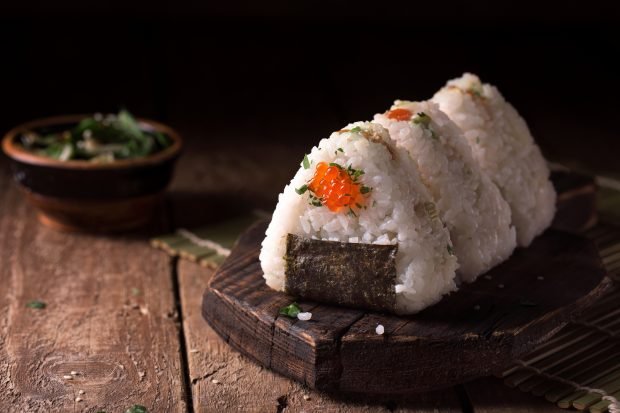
(503, 146)
(470, 205)
(395, 213)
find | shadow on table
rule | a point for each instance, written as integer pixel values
(186, 209)
(449, 399)
(195, 209)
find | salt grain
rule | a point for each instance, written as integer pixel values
(215, 381)
(78, 399)
(81, 392)
(540, 278)
(67, 377)
(380, 329)
(74, 373)
(306, 397)
(476, 307)
(500, 286)
(304, 316)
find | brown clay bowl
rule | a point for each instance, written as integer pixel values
(78, 195)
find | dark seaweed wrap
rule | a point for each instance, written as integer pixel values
(347, 274)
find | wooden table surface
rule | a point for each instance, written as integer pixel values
(126, 317)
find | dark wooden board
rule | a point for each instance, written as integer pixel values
(475, 332)
(223, 380)
(471, 333)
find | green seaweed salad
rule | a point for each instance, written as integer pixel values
(100, 138)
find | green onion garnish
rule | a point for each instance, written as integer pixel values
(290, 310)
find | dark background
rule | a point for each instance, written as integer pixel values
(288, 73)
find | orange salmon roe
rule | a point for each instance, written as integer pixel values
(335, 187)
(399, 114)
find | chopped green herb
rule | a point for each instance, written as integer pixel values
(302, 190)
(290, 310)
(306, 162)
(450, 249)
(431, 210)
(62, 151)
(424, 121)
(358, 205)
(356, 129)
(354, 173)
(315, 201)
(476, 90)
(365, 189)
(136, 408)
(351, 212)
(162, 140)
(336, 165)
(36, 304)
(97, 139)
(340, 150)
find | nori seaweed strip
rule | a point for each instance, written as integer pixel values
(343, 273)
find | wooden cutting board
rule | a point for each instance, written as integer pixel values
(474, 332)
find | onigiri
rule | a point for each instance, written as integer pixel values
(358, 191)
(473, 209)
(504, 148)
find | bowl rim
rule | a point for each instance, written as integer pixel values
(16, 152)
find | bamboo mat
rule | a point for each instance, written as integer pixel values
(209, 245)
(579, 367)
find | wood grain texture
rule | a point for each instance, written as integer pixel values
(110, 317)
(471, 333)
(222, 379)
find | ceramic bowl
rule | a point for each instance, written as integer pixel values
(79, 195)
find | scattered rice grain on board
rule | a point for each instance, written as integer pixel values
(304, 316)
